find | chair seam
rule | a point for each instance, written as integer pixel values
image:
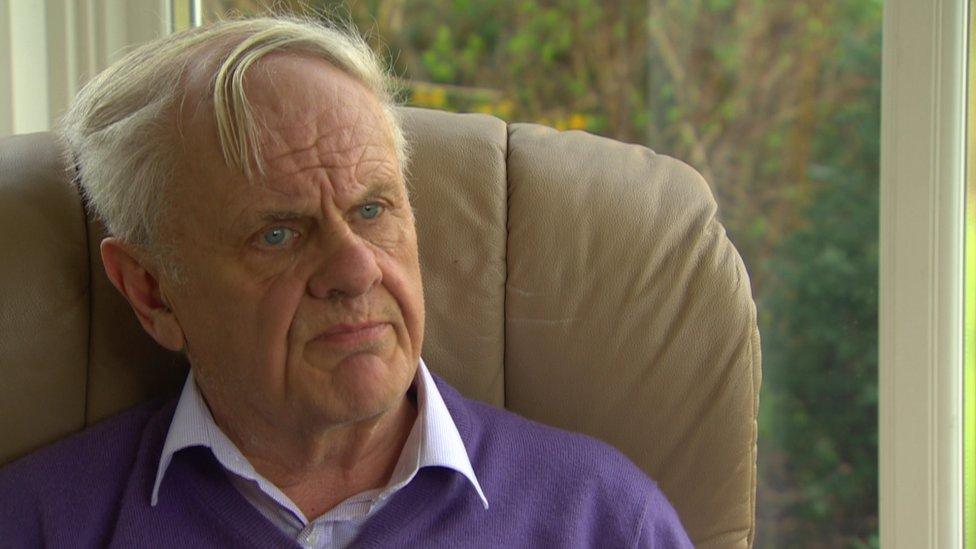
(76, 179)
(754, 450)
(508, 206)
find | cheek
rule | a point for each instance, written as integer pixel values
(247, 322)
(397, 256)
(276, 312)
(401, 277)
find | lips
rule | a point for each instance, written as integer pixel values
(354, 334)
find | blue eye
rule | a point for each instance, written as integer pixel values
(369, 211)
(276, 236)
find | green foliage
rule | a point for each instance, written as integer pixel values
(439, 59)
(820, 319)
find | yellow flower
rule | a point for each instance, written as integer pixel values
(420, 97)
(505, 108)
(438, 97)
(577, 122)
(428, 96)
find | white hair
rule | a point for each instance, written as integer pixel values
(122, 130)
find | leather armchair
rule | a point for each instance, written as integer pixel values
(575, 280)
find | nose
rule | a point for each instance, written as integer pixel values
(349, 269)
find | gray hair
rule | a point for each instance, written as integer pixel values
(122, 132)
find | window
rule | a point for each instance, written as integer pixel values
(921, 321)
(969, 306)
(50, 48)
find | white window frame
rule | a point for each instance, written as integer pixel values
(50, 48)
(921, 283)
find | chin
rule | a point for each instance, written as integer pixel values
(364, 386)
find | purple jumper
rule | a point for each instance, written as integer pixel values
(545, 487)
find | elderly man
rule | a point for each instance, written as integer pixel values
(251, 176)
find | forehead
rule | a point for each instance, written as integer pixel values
(309, 113)
(297, 100)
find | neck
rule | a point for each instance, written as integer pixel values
(317, 471)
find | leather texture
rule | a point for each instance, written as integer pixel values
(45, 303)
(575, 280)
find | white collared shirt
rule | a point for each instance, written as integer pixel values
(434, 441)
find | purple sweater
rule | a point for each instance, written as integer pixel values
(546, 488)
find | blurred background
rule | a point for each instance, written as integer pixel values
(777, 105)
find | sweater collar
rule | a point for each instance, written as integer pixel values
(434, 441)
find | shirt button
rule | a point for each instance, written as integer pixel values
(311, 538)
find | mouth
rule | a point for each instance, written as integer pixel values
(353, 335)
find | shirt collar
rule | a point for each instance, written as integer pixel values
(434, 441)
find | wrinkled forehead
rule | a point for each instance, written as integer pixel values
(296, 101)
(300, 100)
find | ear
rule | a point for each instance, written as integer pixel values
(140, 287)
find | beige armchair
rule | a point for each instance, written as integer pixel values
(572, 279)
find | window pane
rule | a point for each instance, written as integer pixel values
(969, 306)
(777, 105)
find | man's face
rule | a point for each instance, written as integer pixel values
(302, 301)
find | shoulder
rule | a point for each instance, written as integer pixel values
(491, 432)
(75, 476)
(519, 458)
(89, 453)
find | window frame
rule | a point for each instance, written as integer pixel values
(50, 48)
(921, 273)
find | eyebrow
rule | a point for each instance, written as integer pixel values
(282, 215)
(379, 188)
(374, 191)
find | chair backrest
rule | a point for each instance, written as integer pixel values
(575, 280)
